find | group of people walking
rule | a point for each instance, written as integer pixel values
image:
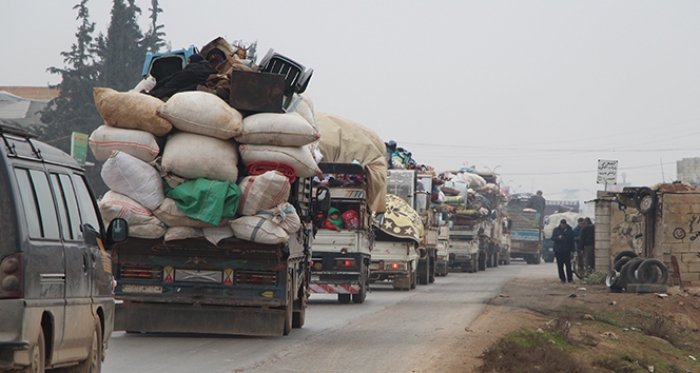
(579, 240)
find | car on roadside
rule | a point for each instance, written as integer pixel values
(56, 283)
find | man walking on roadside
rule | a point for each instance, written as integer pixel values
(588, 244)
(563, 237)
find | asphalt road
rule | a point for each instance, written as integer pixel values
(393, 331)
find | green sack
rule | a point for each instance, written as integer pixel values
(206, 200)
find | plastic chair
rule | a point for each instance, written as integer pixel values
(296, 76)
(675, 275)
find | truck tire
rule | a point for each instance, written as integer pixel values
(482, 261)
(360, 297)
(299, 315)
(618, 264)
(344, 298)
(414, 280)
(647, 274)
(289, 313)
(474, 264)
(423, 275)
(613, 281)
(537, 259)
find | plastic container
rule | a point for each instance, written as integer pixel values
(350, 220)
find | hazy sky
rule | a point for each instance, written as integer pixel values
(536, 90)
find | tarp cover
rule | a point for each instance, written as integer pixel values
(206, 200)
(344, 141)
(552, 221)
(401, 221)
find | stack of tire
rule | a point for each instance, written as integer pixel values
(631, 269)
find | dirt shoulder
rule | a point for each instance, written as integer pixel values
(598, 330)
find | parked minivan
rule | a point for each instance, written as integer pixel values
(56, 283)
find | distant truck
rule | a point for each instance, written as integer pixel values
(399, 233)
(341, 259)
(355, 157)
(442, 250)
(414, 187)
(469, 242)
(526, 230)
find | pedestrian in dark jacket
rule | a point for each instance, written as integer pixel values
(588, 243)
(195, 73)
(563, 237)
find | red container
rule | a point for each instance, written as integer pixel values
(350, 220)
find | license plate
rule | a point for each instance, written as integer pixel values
(143, 289)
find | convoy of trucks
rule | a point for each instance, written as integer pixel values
(397, 224)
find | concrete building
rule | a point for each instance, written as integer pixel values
(688, 169)
(21, 105)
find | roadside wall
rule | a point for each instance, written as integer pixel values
(618, 228)
(678, 234)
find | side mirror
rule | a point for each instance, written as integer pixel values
(118, 231)
(322, 202)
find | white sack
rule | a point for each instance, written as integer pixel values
(146, 84)
(140, 144)
(298, 157)
(142, 223)
(213, 235)
(259, 229)
(134, 178)
(262, 192)
(193, 156)
(131, 110)
(172, 216)
(289, 129)
(202, 113)
(284, 215)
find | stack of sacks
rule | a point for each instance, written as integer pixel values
(184, 185)
(268, 217)
(126, 143)
(289, 138)
(201, 152)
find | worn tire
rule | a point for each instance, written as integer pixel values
(299, 315)
(643, 194)
(37, 356)
(612, 281)
(361, 296)
(628, 271)
(482, 262)
(618, 264)
(414, 280)
(289, 313)
(647, 274)
(344, 298)
(93, 363)
(626, 253)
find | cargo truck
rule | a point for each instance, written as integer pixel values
(341, 259)
(354, 168)
(526, 230)
(398, 235)
(236, 286)
(414, 187)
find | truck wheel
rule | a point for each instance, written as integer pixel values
(537, 259)
(431, 272)
(38, 355)
(474, 264)
(496, 259)
(414, 279)
(482, 262)
(424, 275)
(344, 298)
(360, 297)
(289, 313)
(299, 315)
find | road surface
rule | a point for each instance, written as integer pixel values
(393, 331)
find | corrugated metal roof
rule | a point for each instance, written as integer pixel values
(14, 110)
(19, 109)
